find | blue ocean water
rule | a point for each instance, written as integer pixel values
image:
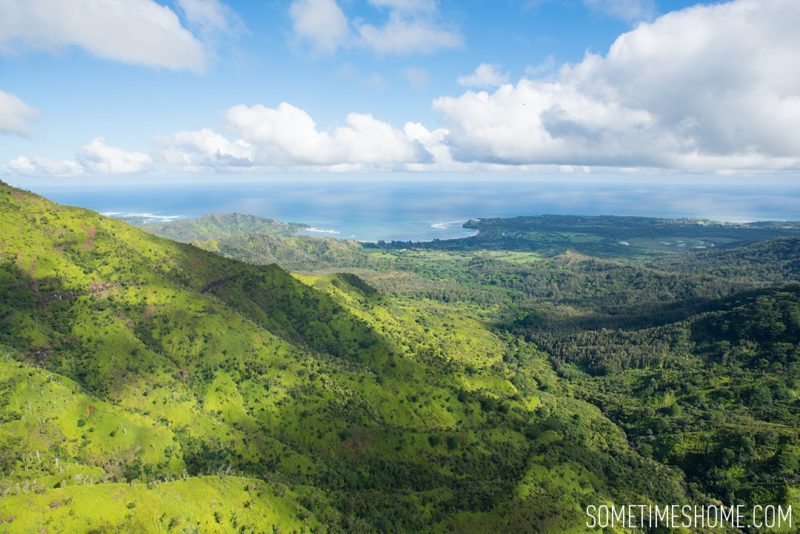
(413, 207)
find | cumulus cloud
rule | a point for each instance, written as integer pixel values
(37, 166)
(484, 75)
(15, 115)
(709, 87)
(412, 26)
(141, 32)
(433, 141)
(262, 138)
(288, 135)
(204, 148)
(96, 157)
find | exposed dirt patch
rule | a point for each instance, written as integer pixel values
(39, 355)
(100, 288)
(91, 234)
(198, 262)
(360, 439)
(216, 283)
(353, 447)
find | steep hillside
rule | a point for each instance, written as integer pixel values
(294, 253)
(148, 377)
(219, 226)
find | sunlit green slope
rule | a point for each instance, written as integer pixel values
(216, 226)
(178, 389)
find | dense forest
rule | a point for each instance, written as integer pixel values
(240, 377)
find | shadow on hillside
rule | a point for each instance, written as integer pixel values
(300, 314)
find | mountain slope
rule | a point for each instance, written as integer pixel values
(220, 226)
(130, 358)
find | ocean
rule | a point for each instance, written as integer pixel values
(415, 207)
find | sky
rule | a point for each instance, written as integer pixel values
(187, 88)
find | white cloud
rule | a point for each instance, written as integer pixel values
(484, 75)
(287, 135)
(547, 67)
(320, 23)
(211, 17)
(96, 157)
(15, 115)
(203, 149)
(710, 87)
(412, 26)
(265, 139)
(36, 166)
(628, 10)
(434, 144)
(404, 34)
(142, 32)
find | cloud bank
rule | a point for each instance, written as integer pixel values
(707, 88)
(96, 157)
(287, 136)
(712, 88)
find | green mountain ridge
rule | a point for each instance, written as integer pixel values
(218, 226)
(189, 365)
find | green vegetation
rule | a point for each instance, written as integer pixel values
(714, 394)
(495, 383)
(610, 237)
(217, 227)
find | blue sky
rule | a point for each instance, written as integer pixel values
(210, 87)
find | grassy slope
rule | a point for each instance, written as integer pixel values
(221, 226)
(140, 359)
(81, 296)
(681, 395)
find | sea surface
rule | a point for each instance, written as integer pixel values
(413, 207)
